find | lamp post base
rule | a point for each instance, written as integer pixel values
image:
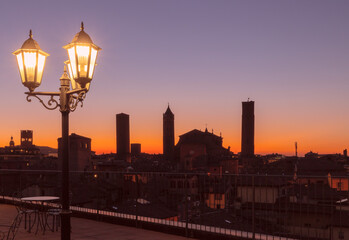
(65, 225)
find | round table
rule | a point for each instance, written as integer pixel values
(40, 198)
(40, 210)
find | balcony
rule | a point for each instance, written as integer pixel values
(191, 205)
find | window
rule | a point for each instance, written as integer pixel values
(218, 197)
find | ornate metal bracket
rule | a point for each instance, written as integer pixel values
(75, 99)
(52, 103)
(68, 100)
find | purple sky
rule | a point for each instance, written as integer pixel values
(203, 57)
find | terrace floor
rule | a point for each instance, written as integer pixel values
(83, 229)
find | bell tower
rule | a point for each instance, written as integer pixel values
(168, 135)
(26, 138)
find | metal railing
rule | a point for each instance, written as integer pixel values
(244, 206)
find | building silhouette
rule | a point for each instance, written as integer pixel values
(135, 149)
(79, 153)
(123, 136)
(26, 138)
(204, 151)
(19, 156)
(168, 135)
(247, 129)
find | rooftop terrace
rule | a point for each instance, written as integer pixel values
(83, 229)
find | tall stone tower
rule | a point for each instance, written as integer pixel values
(168, 135)
(247, 130)
(123, 136)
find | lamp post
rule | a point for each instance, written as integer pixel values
(82, 53)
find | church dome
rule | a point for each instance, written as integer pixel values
(12, 143)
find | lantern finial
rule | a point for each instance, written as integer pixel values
(30, 33)
(82, 26)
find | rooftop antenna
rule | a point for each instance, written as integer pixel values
(295, 146)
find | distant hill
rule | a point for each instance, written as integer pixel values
(47, 150)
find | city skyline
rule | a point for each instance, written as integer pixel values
(203, 58)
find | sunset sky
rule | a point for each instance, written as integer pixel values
(202, 57)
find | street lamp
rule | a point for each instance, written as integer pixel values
(31, 62)
(82, 60)
(74, 84)
(82, 57)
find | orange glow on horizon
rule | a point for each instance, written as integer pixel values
(284, 148)
(154, 146)
(269, 138)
